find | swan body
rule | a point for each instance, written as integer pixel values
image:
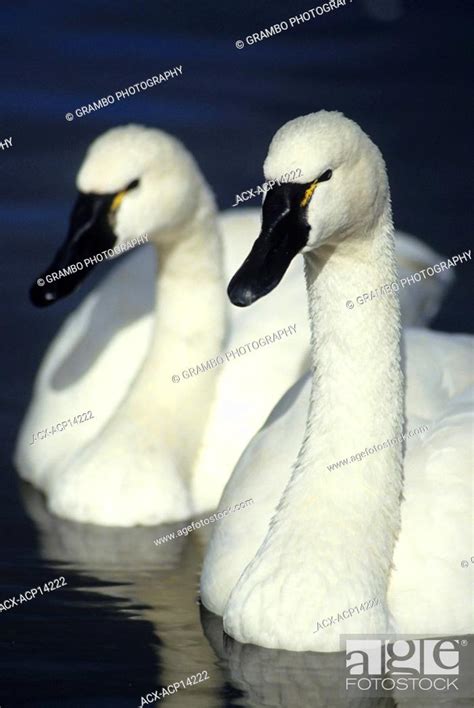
(319, 540)
(116, 353)
(88, 364)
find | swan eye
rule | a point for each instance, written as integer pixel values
(325, 176)
(119, 197)
(309, 192)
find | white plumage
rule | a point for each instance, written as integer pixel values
(319, 541)
(161, 311)
(158, 451)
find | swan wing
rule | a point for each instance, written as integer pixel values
(420, 301)
(437, 507)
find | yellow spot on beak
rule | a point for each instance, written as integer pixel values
(309, 193)
(118, 200)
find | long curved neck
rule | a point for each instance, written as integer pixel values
(350, 513)
(189, 326)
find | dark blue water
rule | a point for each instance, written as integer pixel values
(128, 620)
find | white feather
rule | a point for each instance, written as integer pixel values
(317, 541)
(157, 451)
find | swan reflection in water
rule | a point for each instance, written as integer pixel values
(159, 584)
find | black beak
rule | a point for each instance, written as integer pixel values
(89, 233)
(284, 233)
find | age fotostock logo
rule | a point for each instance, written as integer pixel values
(384, 665)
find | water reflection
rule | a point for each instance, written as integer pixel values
(283, 679)
(159, 584)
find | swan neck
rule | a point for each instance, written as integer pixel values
(348, 337)
(351, 512)
(189, 327)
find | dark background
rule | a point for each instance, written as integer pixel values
(401, 68)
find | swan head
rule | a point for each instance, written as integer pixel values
(134, 182)
(339, 189)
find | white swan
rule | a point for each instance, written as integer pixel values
(317, 542)
(134, 462)
(155, 450)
